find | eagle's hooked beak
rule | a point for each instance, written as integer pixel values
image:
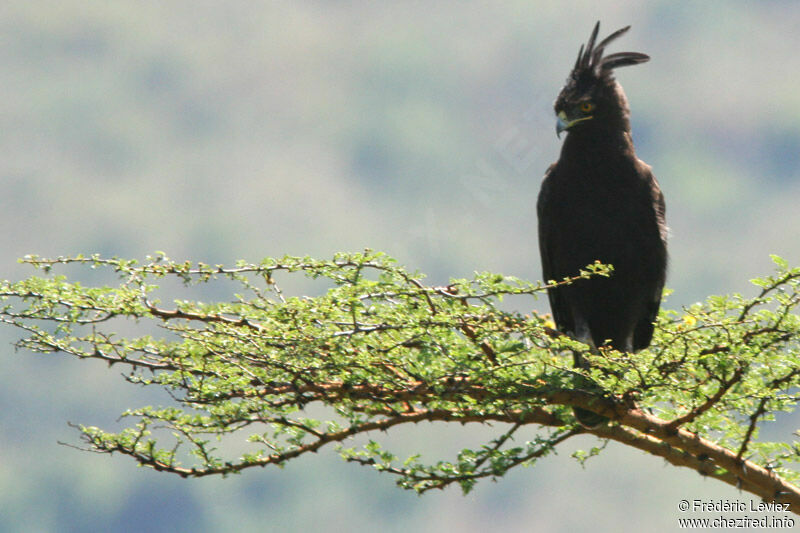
(563, 122)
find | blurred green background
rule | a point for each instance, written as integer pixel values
(219, 131)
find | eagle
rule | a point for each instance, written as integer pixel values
(600, 203)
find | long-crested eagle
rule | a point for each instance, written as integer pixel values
(599, 202)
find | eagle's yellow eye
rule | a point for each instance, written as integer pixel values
(586, 106)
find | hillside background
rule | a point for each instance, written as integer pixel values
(242, 130)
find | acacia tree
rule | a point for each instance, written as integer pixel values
(380, 348)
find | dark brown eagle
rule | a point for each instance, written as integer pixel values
(599, 202)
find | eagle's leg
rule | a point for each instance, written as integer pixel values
(586, 418)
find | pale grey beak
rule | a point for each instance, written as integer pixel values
(561, 123)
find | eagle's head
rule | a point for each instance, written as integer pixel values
(591, 95)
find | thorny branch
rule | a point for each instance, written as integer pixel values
(380, 349)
